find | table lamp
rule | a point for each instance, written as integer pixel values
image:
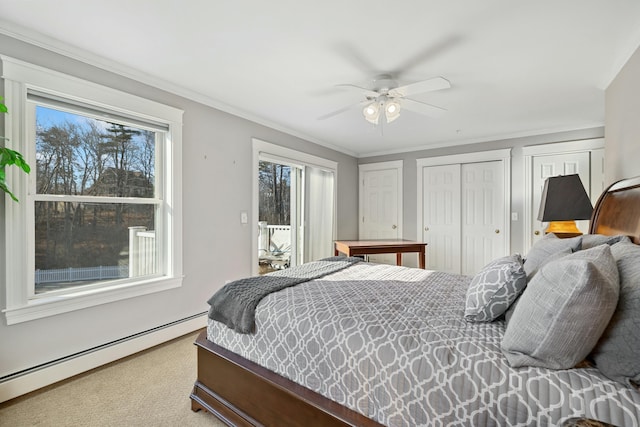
(564, 200)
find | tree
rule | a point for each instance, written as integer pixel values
(275, 193)
(119, 147)
(146, 160)
(76, 155)
(56, 174)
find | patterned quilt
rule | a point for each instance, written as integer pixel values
(392, 343)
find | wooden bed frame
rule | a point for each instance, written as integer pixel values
(617, 211)
(242, 393)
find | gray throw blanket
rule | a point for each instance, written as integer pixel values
(235, 304)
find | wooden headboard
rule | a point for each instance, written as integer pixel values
(617, 211)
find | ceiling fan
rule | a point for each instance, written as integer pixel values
(388, 99)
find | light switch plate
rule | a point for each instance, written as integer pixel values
(244, 217)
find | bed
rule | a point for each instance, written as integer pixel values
(370, 344)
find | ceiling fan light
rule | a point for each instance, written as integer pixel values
(392, 110)
(371, 112)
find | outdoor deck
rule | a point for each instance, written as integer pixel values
(274, 247)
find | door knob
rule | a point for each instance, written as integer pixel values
(497, 231)
(394, 226)
(536, 232)
(426, 229)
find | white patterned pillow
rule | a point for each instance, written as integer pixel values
(494, 289)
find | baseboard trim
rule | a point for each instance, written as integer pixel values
(36, 378)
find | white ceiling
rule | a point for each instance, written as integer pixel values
(516, 68)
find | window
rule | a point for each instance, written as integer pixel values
(98, 215)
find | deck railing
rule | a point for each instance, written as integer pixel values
(274, 244)
(143, 258)
(61, 275)
(143, 261)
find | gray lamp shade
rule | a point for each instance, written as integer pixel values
(564, 199)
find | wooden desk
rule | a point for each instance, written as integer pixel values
(369, 247)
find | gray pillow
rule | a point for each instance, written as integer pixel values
(494, 289)
(545, 249)
(592, 240)
(617, 354)
(563, 311)
(509, 313)
(557, 255)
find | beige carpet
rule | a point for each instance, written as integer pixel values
(150, 388)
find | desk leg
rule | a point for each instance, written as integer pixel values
(421, 260)
(399, 258)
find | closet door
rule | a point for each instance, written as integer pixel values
(441, 210)
(583, 157)
(554, 165)
(464, 215)
(597, 174)
(483, 215)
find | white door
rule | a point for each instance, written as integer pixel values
(441, 211)
(597, 174)
(464, 216)
(483, 215)
(379, 213)
(554, 165)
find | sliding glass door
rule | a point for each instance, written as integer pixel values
(278, 201)
(296, 204)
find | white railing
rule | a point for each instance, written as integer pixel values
(142, 252)
(61, 275)
(274, 244)
(273, 239)
(142, 262)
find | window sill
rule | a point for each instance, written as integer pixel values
(53, 305)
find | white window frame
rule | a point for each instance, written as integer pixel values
(20, 77)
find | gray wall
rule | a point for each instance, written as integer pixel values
(622, 149)
(217, 247)
(217, 156)
(622, 122)
(409, 183)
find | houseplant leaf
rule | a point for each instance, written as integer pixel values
(9, 157)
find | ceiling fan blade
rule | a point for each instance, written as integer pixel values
(367, 92)
(355, 57)
(343, 109)
(422, 108)
(425, 55)
(436, 83)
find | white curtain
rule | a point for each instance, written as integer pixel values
(319, 219)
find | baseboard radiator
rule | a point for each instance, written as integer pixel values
(31, 379)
